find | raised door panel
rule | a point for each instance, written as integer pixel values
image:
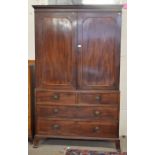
(99, 50)
(55, 54)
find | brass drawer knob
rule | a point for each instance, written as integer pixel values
(97, 113)
(55, 110)
(98, 98)
(96, 129)
(56, 126)
(56, 97)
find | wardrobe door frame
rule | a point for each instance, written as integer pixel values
(71, 15)
(89, 13)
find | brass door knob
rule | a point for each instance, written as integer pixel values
(79, 46)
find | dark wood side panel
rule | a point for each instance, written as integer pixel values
(99, 38)
(29, 105)
(55, 50)
(31, 83)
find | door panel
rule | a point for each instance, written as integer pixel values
(55, 66)
(98, 35)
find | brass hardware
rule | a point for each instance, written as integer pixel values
(79, 46)
(97, 113)
(96, 129)
(98, 98)
(55, 97)
(55, 110)
(56, 126)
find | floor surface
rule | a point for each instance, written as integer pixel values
(57, 147)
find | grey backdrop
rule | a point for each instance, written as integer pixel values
(58, 2)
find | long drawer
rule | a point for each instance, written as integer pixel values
(55, 97)
(78, 111)
(98, 98)
(77, 128)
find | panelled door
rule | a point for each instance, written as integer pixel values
(55, 49)
(98, 50)
(83, 44)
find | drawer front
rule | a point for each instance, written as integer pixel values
(98, 98)
(77, 111)
(55, 97)
(77, 128)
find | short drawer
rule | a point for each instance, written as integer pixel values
(55, 97)
(78, 112)
(98, 98)
(77, 128)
